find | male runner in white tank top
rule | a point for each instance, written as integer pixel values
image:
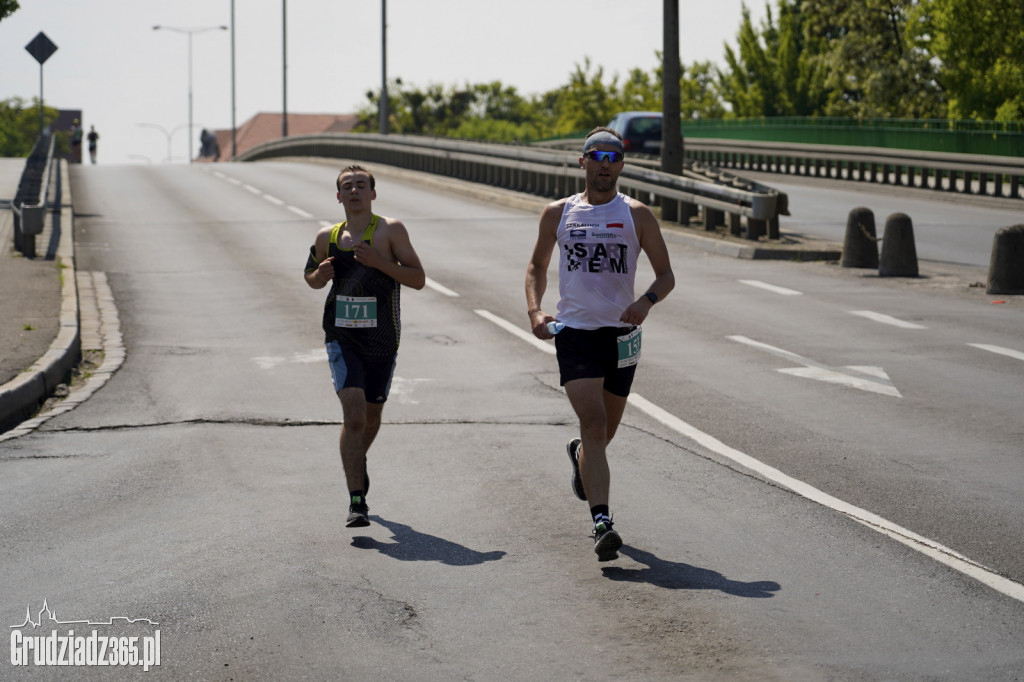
(598, 234)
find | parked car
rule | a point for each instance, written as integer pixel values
(640, 131)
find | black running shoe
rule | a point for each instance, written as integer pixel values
(606, 541)
(573, 448)
(358, 514)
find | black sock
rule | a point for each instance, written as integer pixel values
(357, 497)
(600, 513)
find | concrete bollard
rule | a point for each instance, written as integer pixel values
(1006, 270)
(860, 246)
(899, 255)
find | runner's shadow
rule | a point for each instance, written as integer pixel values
(411, 545)
(679, 576)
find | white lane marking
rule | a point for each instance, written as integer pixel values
(233, 181)
(299, 212)
(886, 319)
(274, 200)
(218, 174)
(253, 189)
(940, 553)
(272, 361)
(1009, 352)
(548, 348)
(402, 389)
(918, 543)
(865, 378)
(771, 287)
(441, 288)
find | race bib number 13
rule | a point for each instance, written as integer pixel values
(354, 312)
(629, 348)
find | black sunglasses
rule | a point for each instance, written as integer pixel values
(611, 157)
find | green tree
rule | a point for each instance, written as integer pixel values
(586, 100)
(698, 92)
(980, 47)
(641, 91)
(775, 71)
(8, 7)
(19, 126)
(873, 67)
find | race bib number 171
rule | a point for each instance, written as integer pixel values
(354, 312)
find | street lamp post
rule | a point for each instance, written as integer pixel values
(167, 133)
(189, 32)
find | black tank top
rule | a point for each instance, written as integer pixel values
(362, 308)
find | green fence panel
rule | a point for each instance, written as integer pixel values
(936, 135)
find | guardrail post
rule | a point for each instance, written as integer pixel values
(1006, 269)
(687, 211)
(755, 228)
(860, 246)
(899, 254)
(712, 218)
(951, 186)
(735, 221)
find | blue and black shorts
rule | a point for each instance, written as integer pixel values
(349, 369)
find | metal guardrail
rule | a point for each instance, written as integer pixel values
(29, 218)
(546, 172)
(995, 176)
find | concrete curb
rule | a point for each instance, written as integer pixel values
(22, 396)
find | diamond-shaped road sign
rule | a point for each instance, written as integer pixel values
(41, 47)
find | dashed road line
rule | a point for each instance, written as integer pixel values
(440, 288)
(782, 291)
(1008, 352)
(887, 319)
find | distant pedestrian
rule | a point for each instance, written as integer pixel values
(209, 146)
(76, 142)
(93, 139)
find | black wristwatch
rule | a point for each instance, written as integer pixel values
(652, 297)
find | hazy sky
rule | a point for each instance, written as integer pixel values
(112, 65)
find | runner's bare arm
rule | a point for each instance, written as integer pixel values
(319, 268)
(652, 243)
(404, 265)
(537, 269)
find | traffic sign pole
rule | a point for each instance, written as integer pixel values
(42, 48)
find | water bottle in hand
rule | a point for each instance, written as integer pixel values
(555, 326)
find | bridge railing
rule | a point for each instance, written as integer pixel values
(995, 176)
(29, 205)
(550, 173)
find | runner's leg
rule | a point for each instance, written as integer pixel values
(586, 398)
(354, 436)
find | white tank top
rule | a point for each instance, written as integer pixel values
(598, 251)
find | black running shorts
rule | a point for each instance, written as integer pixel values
(594, 354)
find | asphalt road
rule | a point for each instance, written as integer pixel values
(818, 479)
